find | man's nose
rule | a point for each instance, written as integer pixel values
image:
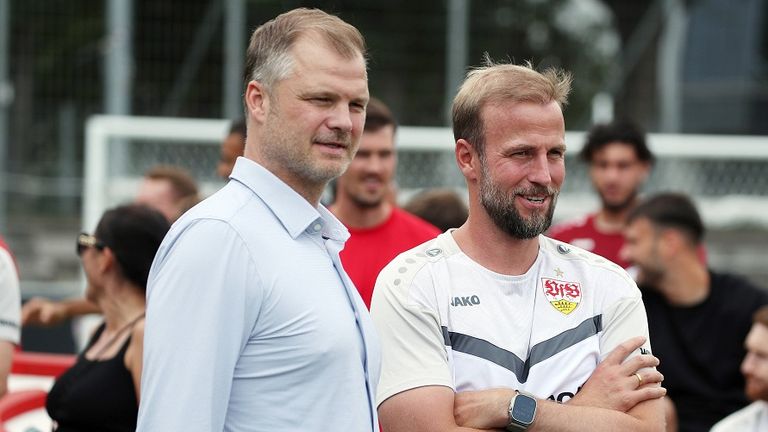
(747, 365)
(539, 172)
(340, 118)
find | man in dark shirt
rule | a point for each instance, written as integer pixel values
(697, 318)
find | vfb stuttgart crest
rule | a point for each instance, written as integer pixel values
(564, 296)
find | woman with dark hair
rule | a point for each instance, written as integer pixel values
(101, 391)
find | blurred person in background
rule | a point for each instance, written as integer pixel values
(698, 318)
(169, 189)
(379, 230)
(10, 304)
(441, 207)
(100, 392)
(754, 417)
(252, 322)
(232, 147)
(619, 163)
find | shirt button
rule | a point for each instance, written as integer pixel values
(317, 227)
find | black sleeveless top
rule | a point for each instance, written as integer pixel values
(95, 395)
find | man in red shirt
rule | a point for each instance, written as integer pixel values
(379, 230)
(619, 163)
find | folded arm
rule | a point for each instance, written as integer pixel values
(610, 400)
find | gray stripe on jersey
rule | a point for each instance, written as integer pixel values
(539, 352)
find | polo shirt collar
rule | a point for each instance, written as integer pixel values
(294, 212)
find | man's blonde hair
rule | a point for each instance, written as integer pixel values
(495, 82)
(268, 58)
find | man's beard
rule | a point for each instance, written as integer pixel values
(756, 392)
(364, 201)
(286, 149)
(618, 207)
(501, 208)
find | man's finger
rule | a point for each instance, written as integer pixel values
(648, 393)
(650, 377)
(621, 352)
(640, 362)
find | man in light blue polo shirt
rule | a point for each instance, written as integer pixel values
(252, 324)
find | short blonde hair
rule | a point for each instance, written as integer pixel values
(495, 82)
(268, 57)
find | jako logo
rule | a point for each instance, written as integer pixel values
(465, 301)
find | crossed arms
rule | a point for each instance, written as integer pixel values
(610, 400)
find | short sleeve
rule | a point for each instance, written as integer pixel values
(413, 351)
(624, 319)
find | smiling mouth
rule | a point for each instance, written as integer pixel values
(536, 200)
(332, 145)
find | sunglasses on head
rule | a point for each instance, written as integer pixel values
(85, 240)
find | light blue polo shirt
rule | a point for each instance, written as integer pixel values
(252, 323)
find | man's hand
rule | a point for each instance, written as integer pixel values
(40, 311)
(484, 409)
(614, 383)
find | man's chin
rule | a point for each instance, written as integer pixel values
(366, 202)
(756, 392)
(617, 205)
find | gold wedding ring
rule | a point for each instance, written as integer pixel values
(639, 379)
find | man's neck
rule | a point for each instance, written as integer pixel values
(611, 221)
(355, 216)
(506, 255)
(687, 283)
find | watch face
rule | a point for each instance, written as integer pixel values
(524, 409)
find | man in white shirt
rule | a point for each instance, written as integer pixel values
(252, 323)
(10, 311)
(754, 417)
(491, 324)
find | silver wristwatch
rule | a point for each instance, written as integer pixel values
(522, 411)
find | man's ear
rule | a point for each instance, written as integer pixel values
(467, 159)
(257, 101)
(673, 241)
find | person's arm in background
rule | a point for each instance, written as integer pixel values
(6, 358)
(133, 359)
(45, 312)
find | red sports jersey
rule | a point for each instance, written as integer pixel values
(583, 233)
(368, 250)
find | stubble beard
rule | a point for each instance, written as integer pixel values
(620, 206)
(363, 202)
(756, 392)
(651, 274)
(500, 206)
(286, 150)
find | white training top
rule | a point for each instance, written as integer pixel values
(446, 320)
(10, 303)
